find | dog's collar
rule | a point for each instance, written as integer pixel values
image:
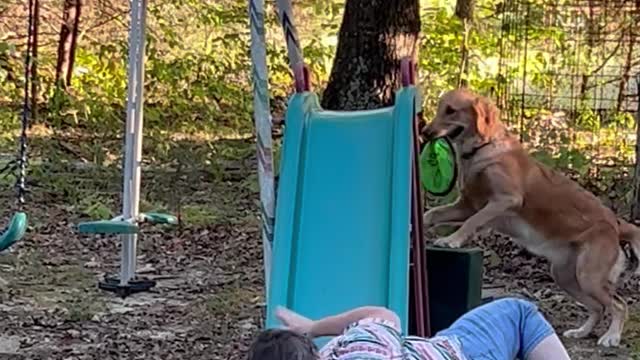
(474, 151)
(502, 144)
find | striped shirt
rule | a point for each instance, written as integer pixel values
(376, 339)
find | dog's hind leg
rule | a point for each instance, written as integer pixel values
(598, 267)
(631, 234)
(564, 275)
(619, 311)
(619, 314)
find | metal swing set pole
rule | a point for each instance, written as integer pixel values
(126, 225)
(133, 137)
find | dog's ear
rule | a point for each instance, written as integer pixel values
(485, 116)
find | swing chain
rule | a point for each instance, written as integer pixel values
(26, 110)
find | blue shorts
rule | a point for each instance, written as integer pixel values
(504, 329)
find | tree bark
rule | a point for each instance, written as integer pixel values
(35, 82)
(635, 206)
(67, 41)
(626, 74)
(374, 36)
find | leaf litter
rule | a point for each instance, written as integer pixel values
(209, 301)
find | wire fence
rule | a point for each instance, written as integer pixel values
(569, 78)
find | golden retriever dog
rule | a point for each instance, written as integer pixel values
(505, 189)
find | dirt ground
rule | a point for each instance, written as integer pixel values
(209, 299)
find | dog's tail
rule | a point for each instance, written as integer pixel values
(630, 234)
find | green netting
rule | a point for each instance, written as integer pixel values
(438, 171)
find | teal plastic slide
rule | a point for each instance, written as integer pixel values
(343, 210)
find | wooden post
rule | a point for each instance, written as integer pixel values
(35, 82)
(635, 206)
(464, 11)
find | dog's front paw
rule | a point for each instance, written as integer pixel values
(576, 333)
(427, 218)
(452, 241)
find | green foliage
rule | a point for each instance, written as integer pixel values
(95, 209)
(200, 215)
(8, 68)
(440, 50)
(198, 74)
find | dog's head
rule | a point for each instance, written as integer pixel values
(467, 119)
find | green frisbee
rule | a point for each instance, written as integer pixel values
(438, 171)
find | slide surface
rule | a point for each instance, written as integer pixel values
(342, 231)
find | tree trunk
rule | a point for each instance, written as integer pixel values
(34, 65)
(635, 206)
(374, 36)
(67, 41)
(626, 74)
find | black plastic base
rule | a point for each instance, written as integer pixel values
(112, 284)
(462, 267)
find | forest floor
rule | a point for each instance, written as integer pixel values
(209, 300)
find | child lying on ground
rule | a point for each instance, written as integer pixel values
(505, 329)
